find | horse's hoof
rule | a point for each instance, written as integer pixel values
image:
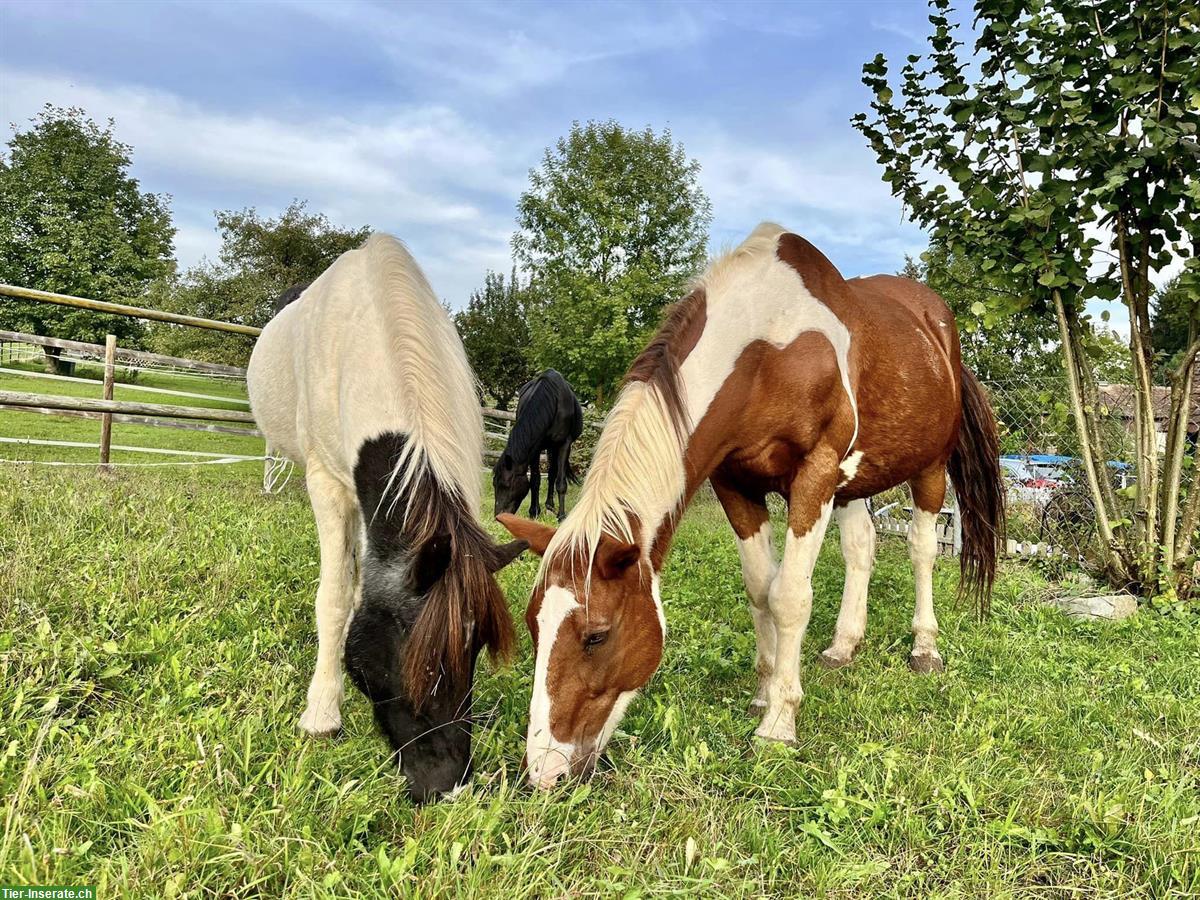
(318, 725)
(926, 664)
(828, 661)
(324, 733)
(756, 709)
(772, 739)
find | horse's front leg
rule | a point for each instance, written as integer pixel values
(535, 485)
(551, 475)
(810, 503)
(335, 511)
(752, 524)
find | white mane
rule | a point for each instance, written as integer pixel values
(437, 390)
(637, 472)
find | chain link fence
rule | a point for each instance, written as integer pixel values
(1050, 512)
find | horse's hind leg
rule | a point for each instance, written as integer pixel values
(752, 524)
(928, 493)
(551, 475)
(561, 468)
(335, 510)
(858, 550)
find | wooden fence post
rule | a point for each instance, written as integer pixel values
(110, 358)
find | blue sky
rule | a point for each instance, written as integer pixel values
(424, 119)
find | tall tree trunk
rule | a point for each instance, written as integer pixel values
(1145, 515)
(1114, 564)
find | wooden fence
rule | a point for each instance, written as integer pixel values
(497, 423)
(949, 535)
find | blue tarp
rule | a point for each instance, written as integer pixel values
(1050, 460)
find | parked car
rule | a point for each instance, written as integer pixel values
(1023, 483)
(1035, 477)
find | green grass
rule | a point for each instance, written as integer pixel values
(157, 636)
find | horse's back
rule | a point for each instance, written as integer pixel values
(355, 358)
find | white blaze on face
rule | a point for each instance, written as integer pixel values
(548, 759)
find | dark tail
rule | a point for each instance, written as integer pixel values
(975, 473)
(576, 431)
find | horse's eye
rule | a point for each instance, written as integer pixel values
(595, 639)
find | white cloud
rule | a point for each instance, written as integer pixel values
(828, 191)
(476, 47)
(423, 173)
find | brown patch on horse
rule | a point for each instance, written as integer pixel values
(751, 434)
(623, 660)
(465, 594)
(659, 363)
(820, 276)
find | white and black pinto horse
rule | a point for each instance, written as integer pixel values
(363, 381)
(549, 418)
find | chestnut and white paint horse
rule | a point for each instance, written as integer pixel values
(774, 375)
(362, 379)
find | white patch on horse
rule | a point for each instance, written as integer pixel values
(758, 571)
(613, 720)
(922, 548)
(380, 350)
(857, 532)
(849, 467)
(656, 593)
(548, 759)
(782, 310)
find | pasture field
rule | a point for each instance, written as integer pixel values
(157, 636)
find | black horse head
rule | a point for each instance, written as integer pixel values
(430, 603)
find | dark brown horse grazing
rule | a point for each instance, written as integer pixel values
(774, 375)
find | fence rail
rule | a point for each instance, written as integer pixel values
(126, 419)
(124, 309)
(97, 350)
(86, 404)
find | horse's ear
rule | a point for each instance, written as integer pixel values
(431, 562)
(535, 534)
(506, 462)
(506, 553)
(613, 557)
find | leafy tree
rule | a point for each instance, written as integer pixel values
(611, 227)
(1070, 130)
(259, 259)
(1171, 318)
(1015, 356)
(495, 333)
(74, 221)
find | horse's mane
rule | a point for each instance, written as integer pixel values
(436, 469)
(537, 408)
(465, 597)
(438, 390)
(637, 474)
